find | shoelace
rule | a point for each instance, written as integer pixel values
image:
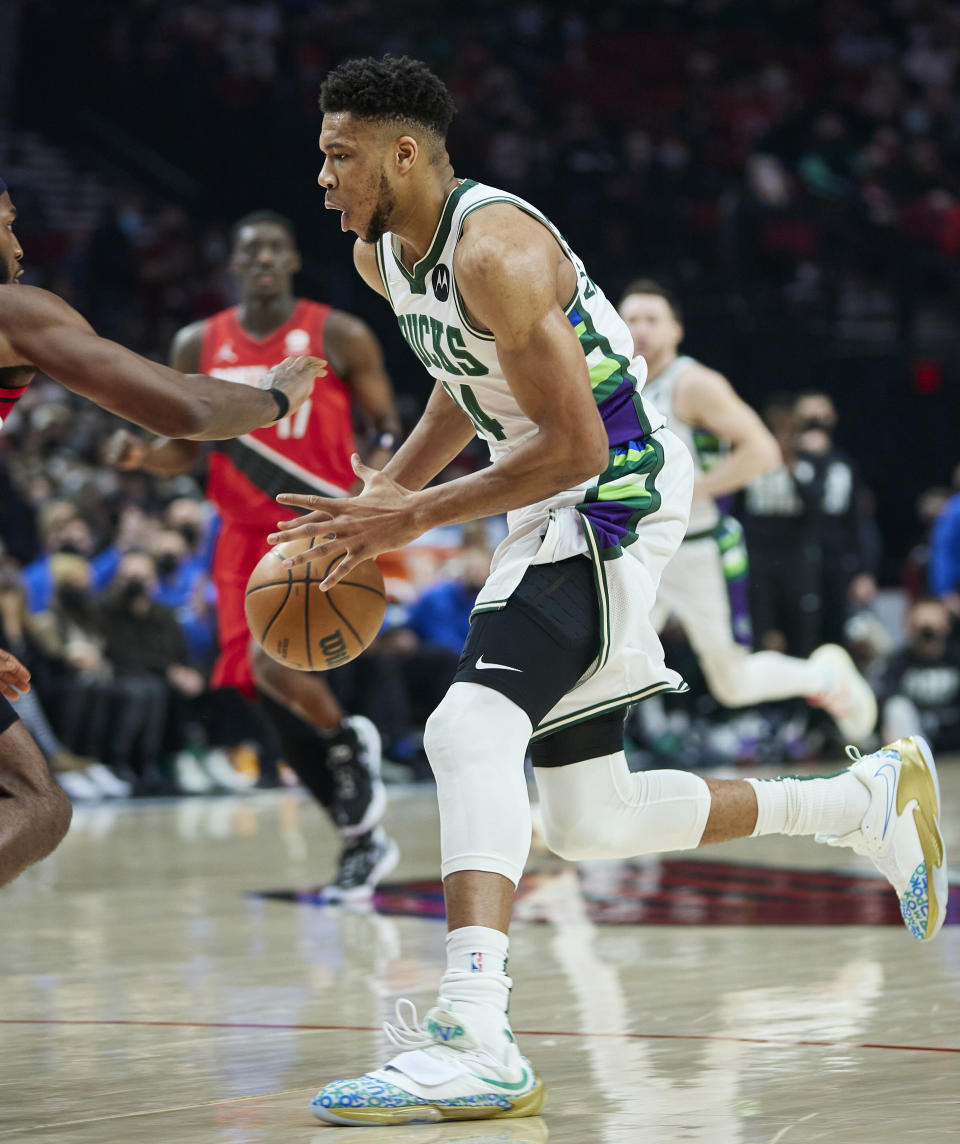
(407, 1034)
(852, 753)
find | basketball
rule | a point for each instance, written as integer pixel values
(299, 625)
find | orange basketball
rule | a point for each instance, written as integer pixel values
(298, 625)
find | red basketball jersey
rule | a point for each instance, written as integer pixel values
(307, 452)
(9, 396)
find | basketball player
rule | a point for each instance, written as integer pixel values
(40, 331)
(528, 353)
(336, 758)
(704, 585)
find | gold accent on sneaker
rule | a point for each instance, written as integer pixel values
(916, 783)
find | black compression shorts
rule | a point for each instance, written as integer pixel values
(535, 648)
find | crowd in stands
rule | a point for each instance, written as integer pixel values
(802, 154)
(788, 165)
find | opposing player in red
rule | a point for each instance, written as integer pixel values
(40, 331)
(335, 756)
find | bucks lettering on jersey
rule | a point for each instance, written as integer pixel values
(705, 447)
(463, 359)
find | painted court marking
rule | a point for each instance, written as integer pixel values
(40, 1021)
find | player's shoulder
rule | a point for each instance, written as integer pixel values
(695, 372)
(193, 333)
(502, 237)
(187, 345)
(25, 301)
(343, 324)
(697, 390)
(365, 261)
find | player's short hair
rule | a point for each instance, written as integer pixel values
(805, 394)
(3, 186)
(649, 286)
(254, 217)
(392, 89)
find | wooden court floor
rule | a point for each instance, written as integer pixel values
(166, 978)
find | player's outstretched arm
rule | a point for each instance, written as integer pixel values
(42, 330)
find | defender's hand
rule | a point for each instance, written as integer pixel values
(379, 520)
(14, 677)
(125, 450)
(295, 376)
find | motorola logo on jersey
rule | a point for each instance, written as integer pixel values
(441, 282)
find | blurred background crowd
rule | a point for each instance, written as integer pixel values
(790, 167)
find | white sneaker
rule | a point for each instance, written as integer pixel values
(359, 796)
(444, 1074)
(110, 784)
(79, 788)
(189, 775)
(222, 772)
(900, 832)
(847, 697)
(370, 742)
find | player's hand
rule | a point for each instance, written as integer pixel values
(295, 376)
(14, 677)
(379, 520)
(125, 450)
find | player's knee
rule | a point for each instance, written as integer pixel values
(57, 815)
(723, 673)
(567, 830)
(474, 726)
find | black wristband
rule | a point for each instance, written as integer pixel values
(283, 402)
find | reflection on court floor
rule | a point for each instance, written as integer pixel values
(157, 991)
(675, 892)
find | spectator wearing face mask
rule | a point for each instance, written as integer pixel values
(184, 585)
(145, 644)
(98, 711)
(921, 683)
(849, 548)
(82, 778)
(63, 530)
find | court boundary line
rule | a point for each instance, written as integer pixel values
(774, 1041)
(141, 1112)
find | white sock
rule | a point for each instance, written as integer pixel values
(476, 983)
(834, 805)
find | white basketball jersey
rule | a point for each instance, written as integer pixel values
(464, 360)
(705, 447)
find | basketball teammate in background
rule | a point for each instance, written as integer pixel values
(40, 331)
(337, 758)
(529, 354)
(704, 585)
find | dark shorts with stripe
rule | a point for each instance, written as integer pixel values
(535, 648)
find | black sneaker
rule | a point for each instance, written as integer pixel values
(363, 862)
(359, 796)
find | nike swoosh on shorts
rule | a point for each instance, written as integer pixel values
(481, 666)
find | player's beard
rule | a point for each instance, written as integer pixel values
(379, 222)
(7, 272)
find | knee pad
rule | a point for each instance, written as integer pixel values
(476, 741)
(599, 809)
(723, 671)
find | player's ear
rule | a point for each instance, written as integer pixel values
(406, 149)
